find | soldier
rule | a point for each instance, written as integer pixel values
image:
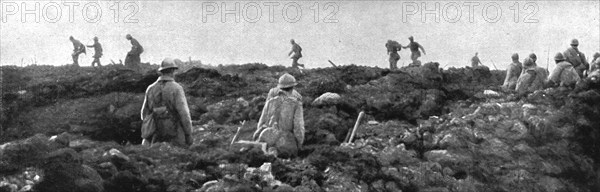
(475, 60)
(531, 79)
(78, 48)
(564, 74)
(133, 56)
(576, 58)
(297, 51)
(392, 50)
(281, 124)
(165, 102)
(97, 52)
(414, 51)
(512, 74)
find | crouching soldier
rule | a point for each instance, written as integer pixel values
(166, 104)
(564, 75)
(512, 74)
(281, 124)
(531, 79)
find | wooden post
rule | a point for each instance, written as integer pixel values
(360, 116)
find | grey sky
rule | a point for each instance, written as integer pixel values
(356, 34)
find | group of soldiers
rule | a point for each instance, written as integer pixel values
(572, 69)
(415, 52)
(132, 59)
(281, 124)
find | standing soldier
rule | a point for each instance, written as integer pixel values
(576, 58)
(97, 52)
(414, 51)
(564, 74)
(165, 102)
(392, 49)
(297, 51)
(475, 61)
(133, 56)
(512, 74)
(281, 124)
(78, 48)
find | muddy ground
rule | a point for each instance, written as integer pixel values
(426, 129)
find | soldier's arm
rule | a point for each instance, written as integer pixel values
(181, 106)
(299, 124)
(422, 49)
(145, 111)
(508, 74)
(553, 77)
(261, 121)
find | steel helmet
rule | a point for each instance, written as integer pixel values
(168, 63)
(533, 56)
(528, 63)
(96, 38)
(515, 56)
(128, 36)
(574, 42)
(286, 80)
(559, 57)
(411, 38)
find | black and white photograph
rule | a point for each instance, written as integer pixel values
(299, 96)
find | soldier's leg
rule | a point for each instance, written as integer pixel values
(75, 59)
(295, 62)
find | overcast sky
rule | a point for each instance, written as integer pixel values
(346, 32)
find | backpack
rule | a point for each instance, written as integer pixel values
(162, 122)
(568, 76)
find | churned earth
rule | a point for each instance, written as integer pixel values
(426, 129)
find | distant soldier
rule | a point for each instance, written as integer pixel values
(297, 51)
(576, 58)
(414, 51)
(97, 52)
(165, 102)
(133, 56)
(78, 48)
(595, 64)
(512, 74)
(392, 49)
(475, 61)
(534, 59)
(531, 79)
(564, 74)
(281, 124)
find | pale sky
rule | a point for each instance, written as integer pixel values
(355, 34)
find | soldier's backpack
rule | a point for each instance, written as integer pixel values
(569, 77)
(163, 117)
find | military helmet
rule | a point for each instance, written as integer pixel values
(95, 38)
(533, 56)
(286, 80)
(411, 38)
(128, 36)
(528, 63)
(559, 57)
(515, 56)
(574, 42)
(169, 63)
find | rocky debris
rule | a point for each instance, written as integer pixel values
(430, 136)
(327, 99)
